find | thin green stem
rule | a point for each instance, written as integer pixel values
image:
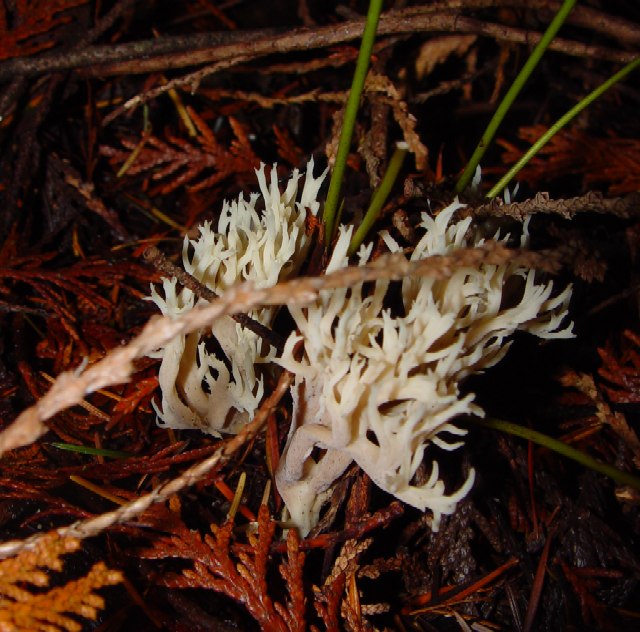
(511, 95)
(82, 449)
(350, 113)
(559, 124)
(379, 197)
(620, 477)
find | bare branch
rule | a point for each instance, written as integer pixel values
(117, 366)
(184, 51)
(93, 526)
(591, 202)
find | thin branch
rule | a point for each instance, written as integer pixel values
(138, 54)
(106, 22)
(391, 23)
(302, 39)
(599, 22)
(156, 257)
(117, 366)
(172, 52)
(591, 202)
(93, 526)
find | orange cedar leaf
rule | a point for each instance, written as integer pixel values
(33, 19)
(287, 149)
(611, 162)
(242, 576)
(22, 609)
(183, 162)
(139, 390)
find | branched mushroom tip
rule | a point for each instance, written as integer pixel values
(220, 391)
(374, 386)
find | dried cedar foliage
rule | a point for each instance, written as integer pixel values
(29, 602)
(86, 184)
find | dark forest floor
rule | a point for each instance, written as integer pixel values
(89, 179)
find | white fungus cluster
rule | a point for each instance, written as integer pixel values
(379, 381)
(378, 387)
(262, 240)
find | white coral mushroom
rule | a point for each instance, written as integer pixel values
(377, 388)
(374, 386)
(198, 389)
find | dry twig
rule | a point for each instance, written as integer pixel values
(116, 368)
(591, 202)
(93, 526)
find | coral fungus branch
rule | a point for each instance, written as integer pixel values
(116, 367)
(156, 257)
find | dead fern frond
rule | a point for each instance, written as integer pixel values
(241, 576)
(24, 24)
(613, 162)
(381, 84)
(604, 413)
(182, 162)
(622, 372)
(24, 608)
(291, 571)
(331, 600)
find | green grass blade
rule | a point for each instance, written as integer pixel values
(379, 197)
(559, 124)
(512, 93)
(350, 114)
(81, 449)
(620, 477)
